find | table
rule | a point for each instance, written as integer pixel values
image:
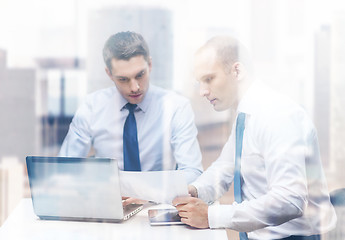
(24, 224)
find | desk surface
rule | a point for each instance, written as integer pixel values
(24, 224)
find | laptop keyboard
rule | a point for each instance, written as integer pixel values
(130, 210)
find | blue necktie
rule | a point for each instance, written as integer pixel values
(130, 141)
(237, 177)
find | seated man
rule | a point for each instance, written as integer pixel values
(143, 126)
(272, 156)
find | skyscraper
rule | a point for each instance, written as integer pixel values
(322, 94)
(337, 149)
(18, 122)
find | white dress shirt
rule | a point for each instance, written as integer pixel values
(284, 188)
(165, 125)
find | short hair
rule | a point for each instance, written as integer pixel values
(123, 46)
(229, 50)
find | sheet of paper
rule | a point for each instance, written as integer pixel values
(157, 186)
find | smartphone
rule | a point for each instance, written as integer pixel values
(164, 217)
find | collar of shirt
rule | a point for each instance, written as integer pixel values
(253, 94)
(143, 105)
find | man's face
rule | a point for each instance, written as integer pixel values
(218, 86)
(131, 77)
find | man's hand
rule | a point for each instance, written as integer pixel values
(128, 200)
(193, 211)
(192, 191)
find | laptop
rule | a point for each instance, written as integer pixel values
(77, 189)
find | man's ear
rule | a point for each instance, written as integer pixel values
(237, 70)
(108, 73)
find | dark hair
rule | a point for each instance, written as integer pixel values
(123, 46)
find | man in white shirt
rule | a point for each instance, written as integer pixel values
(165, 133)
(282, 188)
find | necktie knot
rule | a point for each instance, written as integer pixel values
(241, 118)
(130, 107)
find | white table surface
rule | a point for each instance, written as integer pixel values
(24, 224)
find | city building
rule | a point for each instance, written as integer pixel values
(19, 123)
(18, 131)
(322, 93)
(11, 185)
(337, 101)
(62, 87)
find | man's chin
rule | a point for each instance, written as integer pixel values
(135, 100)
(218, 108)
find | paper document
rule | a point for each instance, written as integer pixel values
(157, 186)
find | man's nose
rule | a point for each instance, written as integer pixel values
(203, 90)
(134, 85)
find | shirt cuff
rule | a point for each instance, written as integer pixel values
(219, 216)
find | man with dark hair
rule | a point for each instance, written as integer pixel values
(271, 156)
(123, 46)
(143, 126)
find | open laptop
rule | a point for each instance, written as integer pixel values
(80, 189)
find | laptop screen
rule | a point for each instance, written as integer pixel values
(65, 187)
